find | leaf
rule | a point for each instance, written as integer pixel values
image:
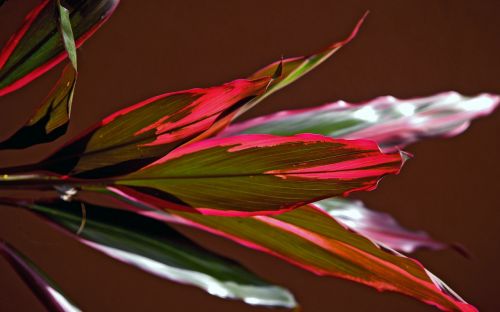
(311, 239)
(377, 226)
(256, 174)
(67, 33)
(390, 122)
(47, 292)
(51, 119)
(37, 46)
(284, 72)
(156, 248)
(139, 134)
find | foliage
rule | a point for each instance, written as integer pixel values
(273, 184)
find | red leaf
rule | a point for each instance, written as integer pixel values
(34, 48)
(255, 174)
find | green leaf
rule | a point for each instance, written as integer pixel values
(156, 248)
(139, 134)
(44, 288)
(67, 33)
(255, 174)
(50, 120)
(37, 46)
(311, 239)
(391, 122)
(284, 72)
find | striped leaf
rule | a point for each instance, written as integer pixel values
(47, 292)
(139, 134)
(390, 122)
(311, 239)
(37, 46)
(378, 226)
(51, 118)
(255, 174)
(156, 248)
(285, 72)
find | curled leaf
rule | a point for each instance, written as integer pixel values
(391, 122)
(47, 292)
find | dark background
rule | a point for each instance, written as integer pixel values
(406, 49)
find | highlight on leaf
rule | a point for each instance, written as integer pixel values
(313, 240)
(377, 226)
(156, 248)
(284, 72)
(140, 134)
(272, 183)
(51, 118)
(46, 291)
(272, 174)
(37, 46)
(391, 122)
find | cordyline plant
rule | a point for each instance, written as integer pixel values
(274, 184)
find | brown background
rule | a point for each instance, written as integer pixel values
(406, 48)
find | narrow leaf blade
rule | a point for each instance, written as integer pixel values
(311, 239)
(156, 248)
(256, 174)
(37, 46)
(391, 122)
(284, 72)
(50, 120)
(42, 286)
(139, 134)
(378, 226)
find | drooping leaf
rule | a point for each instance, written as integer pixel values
(37, 46)
(47, 292)
(378, 226)
(311, 239)
(284, 72)
(51, 118)
(390, 122)
(156, 248)
(255, 174)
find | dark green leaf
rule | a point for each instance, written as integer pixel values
(37, 46)
(156, 248)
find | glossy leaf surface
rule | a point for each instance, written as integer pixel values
(156, 248)
(252, 174)
(37, 46)
(50, 120)
(378, 226)
(390, 122)
(284, 72)
(42, 286)
(139, 134)
(311, 239)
